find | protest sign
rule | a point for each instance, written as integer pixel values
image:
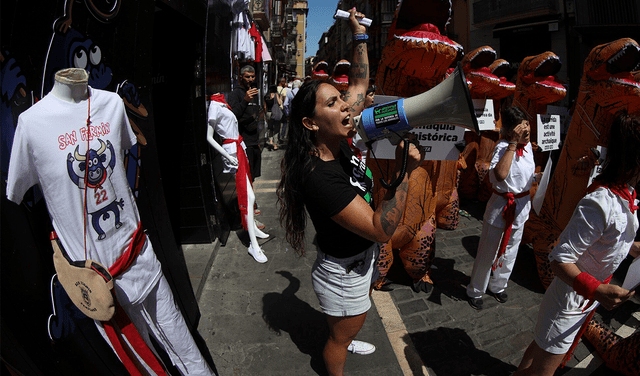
(439, 141)
(548, 132)
(485, 114)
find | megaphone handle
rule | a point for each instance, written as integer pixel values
(403, 170)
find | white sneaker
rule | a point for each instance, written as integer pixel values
(361, 348)
(257, 254)
(260, 234)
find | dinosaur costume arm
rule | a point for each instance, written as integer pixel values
(359, 72)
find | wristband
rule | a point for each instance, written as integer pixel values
(513, 143)
(360, 37)
(585, 284)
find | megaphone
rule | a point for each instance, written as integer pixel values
(447, 103)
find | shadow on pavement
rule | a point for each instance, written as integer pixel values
(451, 352)
(306, 326)
(448, 281)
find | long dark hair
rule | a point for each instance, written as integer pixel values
(622, 162)
(296, 165)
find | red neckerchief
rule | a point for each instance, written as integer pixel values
(241, 179)
(620, 190)
(220, 99)
(520, 150)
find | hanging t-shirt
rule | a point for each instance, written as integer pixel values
(257, 38)
(50, 149)
(330, 187)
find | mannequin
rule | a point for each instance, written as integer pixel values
(71, 85)
(95, 216)
(224, 122)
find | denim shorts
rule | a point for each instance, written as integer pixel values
(342, 285)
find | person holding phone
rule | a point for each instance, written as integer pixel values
(243, 101)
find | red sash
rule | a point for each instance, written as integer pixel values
(241, 179)
(509, 215)
(120, 325)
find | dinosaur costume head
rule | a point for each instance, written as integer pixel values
(476, 69)
(608, 82)
(501, 68)
(536, 86)
(320, 71)
(416, 56)
(340, 76)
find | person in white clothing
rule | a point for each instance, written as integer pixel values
(71, 143)
(223, 121)
(512, 173)
(597, 239)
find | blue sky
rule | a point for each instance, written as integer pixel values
(320, 19)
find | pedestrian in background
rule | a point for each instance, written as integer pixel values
(597, 239)
(511, 173)
(321, 173)
(243, 101)
(273, 114)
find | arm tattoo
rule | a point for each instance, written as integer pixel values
(392, 214)
(359, 70)
(357, 103)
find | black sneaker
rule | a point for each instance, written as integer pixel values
(501, 297)
(421, 285)
(475, 303)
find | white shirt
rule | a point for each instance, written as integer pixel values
(597, 239)
(519, 179)
(50, 149)
(599, 235)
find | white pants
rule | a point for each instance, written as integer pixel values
(159, 316)
(481, 276)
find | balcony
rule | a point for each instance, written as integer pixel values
(489, 12)
(606, 12)
(260, 14)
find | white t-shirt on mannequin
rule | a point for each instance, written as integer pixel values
(225, 124)
(50, 149)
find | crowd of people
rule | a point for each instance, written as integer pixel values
(324, 174)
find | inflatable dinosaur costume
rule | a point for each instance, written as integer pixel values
(320, 71)
(619, 354)
(607, 87)
(340, 75)
(536, 87)
(415, 59)
(480, 67)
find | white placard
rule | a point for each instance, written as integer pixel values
(538, 198)
(485, 114)
(598, 168)
(564, 116)
(439, 141)
(632, 279)
(548, 132)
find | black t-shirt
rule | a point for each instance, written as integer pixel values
(330, 187)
